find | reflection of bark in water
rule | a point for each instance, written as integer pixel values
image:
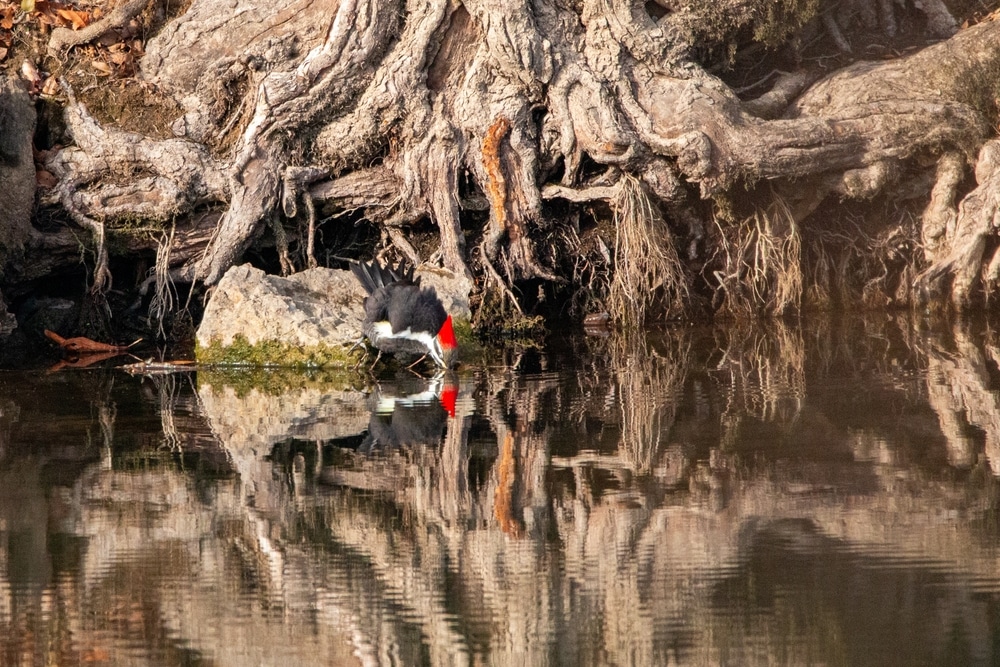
(168, 391)
(961, 392)
(503, 500)
(516, 412)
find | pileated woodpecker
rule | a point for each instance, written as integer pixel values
(401, 317)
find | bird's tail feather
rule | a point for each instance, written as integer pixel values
(373, 275)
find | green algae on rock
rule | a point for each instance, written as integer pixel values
(277, 354)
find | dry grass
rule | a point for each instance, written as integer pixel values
(648, 272)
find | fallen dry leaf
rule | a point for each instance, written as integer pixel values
(101, 67)
(83, 345)
(76, 18)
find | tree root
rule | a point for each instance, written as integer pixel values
(647, 267)
(938, 224)
(164, 301)
(181, 174)
(64, 38)
(761, 264)
(417, 108)
(978, 219)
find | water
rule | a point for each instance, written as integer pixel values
(825, 493)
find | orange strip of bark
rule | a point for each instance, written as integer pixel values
(496, 184)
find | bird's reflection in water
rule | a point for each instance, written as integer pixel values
(410, 412)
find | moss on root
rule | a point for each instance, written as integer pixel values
(274, 354)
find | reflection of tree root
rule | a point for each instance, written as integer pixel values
(503, 500)
(959, 391)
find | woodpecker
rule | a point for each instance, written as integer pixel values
(401, 317)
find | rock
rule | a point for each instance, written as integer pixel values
(17, 168)
(308, 319)
(318, 306)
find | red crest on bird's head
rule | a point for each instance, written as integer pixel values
(446, 335)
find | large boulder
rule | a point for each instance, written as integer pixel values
(17, 168)
(311, 318)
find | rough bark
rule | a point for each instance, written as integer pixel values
(17, 173)
(397, 112)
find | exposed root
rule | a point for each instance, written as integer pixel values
(401, 244)
(846, 264)
(164, 299)
(499, 309)
(102, 274)
(64, 38)
(557, 91)
(961, 269)
(294, 187)
(310, 250)
(761, 272)
(281, 244)
(648, 271)
(938, 223)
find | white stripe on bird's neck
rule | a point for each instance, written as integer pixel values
(383, 329)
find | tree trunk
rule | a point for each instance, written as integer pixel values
(599, 143)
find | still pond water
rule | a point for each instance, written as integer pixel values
(818, 493)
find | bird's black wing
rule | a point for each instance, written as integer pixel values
(377, 306)
(416, 309)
